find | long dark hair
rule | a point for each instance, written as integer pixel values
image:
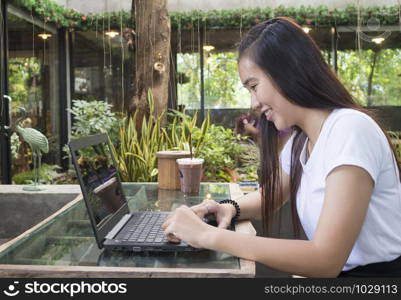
(294, 63)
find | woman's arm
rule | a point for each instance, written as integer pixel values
(250, 205)
(347, 195)
(348, 191)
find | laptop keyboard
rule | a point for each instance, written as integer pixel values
(145, 228)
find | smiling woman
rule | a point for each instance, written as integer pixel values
(338, 169)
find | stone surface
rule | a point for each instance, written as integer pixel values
(20, 210)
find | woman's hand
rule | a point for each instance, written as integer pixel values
(184, 224)
(212, 210)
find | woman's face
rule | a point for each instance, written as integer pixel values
(264, 96)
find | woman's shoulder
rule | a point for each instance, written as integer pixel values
(350, 114)
(353, 129)
(348, 121)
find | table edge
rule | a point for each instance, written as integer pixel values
(246, 269)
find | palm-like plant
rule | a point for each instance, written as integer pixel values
(136, 153)
(184, 133)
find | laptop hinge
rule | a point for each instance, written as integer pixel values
(112, 233)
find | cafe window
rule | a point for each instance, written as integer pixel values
(222, 86)
(370, 66)
(102, 68)
(33, 84)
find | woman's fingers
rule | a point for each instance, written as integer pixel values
(224, 222)
(173, 239)
(200, 210)
(170, 234)
(212, 206)
(205, 208)
(182, 219)
(169, 225)
(167, 221)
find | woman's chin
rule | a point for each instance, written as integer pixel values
(277, 125)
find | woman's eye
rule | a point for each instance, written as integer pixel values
(252, 87)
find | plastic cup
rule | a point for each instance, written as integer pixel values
(190, 171)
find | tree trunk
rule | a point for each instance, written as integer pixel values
(152, 53)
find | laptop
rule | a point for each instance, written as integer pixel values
(114, 226)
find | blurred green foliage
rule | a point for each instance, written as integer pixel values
(47, 173)
(354, 68)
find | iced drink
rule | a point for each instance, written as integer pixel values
(190, 171)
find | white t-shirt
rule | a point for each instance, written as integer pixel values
(350, 137)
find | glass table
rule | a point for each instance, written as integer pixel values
(63, 245)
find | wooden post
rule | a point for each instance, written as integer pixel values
(168, 177)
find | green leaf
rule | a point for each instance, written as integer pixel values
(154, 172)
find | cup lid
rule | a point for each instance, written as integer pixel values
(173, 154)
(189, 161)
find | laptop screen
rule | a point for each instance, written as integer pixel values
(100, 181)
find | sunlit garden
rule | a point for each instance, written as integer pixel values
(203, 84)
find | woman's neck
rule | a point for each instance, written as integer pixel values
(312, 123)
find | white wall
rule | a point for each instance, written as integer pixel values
(232, 4)
(99, 6)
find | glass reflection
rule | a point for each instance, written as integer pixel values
(33, 84)
(102, 186)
